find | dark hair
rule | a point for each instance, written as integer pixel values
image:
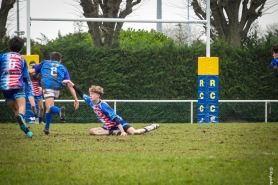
(275, 48)
(32, 62)
(55, 56)
(16, 44)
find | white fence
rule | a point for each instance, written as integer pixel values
(264, 106)
(266, 102)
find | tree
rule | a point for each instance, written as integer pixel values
(106, 33)
(179, 33)
(231, 20)
(6, 6)
(273, 28)
(134, 39)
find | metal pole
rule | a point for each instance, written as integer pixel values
(265, 112)
(17, 5)
(191, 112)
(159, 16)
(120, 20)
(28, 22)
(208, 29)
(115, 106)
(188, 26)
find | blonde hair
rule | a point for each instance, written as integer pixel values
(96, 89)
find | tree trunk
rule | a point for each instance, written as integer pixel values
(231, 19)
(6, 5)
(106, 33)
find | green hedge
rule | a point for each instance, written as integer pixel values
(166, 71)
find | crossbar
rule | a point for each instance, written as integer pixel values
(120, 20)
(29, 19)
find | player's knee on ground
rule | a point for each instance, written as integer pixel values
(131, 131)
(93, 131)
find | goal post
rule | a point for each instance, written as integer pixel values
(208, 89)
(204, 59)
(29, 19)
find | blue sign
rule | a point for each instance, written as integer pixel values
(29, 115)
(208, 95)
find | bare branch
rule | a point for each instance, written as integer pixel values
(232, 19)
(6, 6)
(105, 33)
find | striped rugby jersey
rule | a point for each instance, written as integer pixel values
(104, 113)
(13, 69)
(36, 89)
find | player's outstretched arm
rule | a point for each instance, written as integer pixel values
(72, 91)
(77, 90)
(68, 82)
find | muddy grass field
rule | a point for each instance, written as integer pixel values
(211, 154)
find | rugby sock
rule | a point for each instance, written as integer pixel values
(110, 132)
(55, 109)
(23, 116)
(26, 128)
(40, 119)
(149, 128)
(48, 118)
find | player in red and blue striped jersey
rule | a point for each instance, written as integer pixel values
(14, 75)
(30, 95)
(53, 73)
(112, 123)
(37, 90)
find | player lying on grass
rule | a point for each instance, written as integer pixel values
(113, 124)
